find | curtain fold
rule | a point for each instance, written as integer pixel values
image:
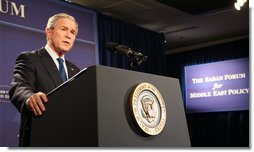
(141, 40)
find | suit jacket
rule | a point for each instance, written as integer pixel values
(34, 71)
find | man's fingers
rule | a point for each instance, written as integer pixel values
(44, 97)
(39, 103)
(33, 105)
(37, 109)
(36, 103)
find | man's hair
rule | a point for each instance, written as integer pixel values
(52, 20)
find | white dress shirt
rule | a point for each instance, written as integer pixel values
(54, 56)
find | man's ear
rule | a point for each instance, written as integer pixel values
(48, 32)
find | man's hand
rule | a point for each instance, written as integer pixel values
(36, 103)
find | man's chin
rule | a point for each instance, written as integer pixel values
(65, 49)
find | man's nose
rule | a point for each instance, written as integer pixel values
(68, 34)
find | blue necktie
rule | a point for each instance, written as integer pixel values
(61, 69)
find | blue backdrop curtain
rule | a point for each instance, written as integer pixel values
(141, 40)
(220, 129)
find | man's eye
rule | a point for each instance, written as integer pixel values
(73, 32)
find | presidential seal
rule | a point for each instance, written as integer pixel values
(148, 108)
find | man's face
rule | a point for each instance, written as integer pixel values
(62, 37)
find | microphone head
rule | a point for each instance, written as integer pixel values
(139, 54)
(145, 58)
(111, 46)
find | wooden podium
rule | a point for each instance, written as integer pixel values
(92, 110)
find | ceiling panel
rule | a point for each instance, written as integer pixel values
(196, 7)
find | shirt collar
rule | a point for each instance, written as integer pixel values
(52, 53)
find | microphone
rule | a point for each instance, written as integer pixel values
(124, 50)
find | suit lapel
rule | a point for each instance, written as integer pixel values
(50, 67)
(71, 69)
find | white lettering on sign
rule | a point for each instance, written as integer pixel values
(12, 8)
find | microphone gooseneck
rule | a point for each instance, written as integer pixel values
(136, 57)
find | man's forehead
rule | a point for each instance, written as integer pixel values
(65, 20)
(66, 23)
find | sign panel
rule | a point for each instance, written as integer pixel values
(218, 86)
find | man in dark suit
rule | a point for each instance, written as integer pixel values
(38, 72)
